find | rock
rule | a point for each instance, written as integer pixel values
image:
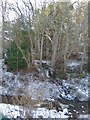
(56, 105)
(75, 115)
(73, 66)
(40, 117)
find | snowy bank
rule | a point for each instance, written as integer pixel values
(13, 111)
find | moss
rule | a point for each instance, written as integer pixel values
(60, 75)
(82, 75)
(63, 75)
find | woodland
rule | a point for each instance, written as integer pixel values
(45, 57)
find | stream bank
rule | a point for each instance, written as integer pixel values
(66, 99)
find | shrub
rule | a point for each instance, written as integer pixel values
(14, 58)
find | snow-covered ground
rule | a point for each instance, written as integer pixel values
(13, 111)
(13, 84)
(37, 89)
(45, 113)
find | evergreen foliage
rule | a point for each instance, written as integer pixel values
(14, 58)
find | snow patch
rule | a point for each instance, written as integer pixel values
(45, 113)
(42, 90)
(11, 111)
(87, 116)
(73, 64)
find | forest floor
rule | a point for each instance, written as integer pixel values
(30, 95)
